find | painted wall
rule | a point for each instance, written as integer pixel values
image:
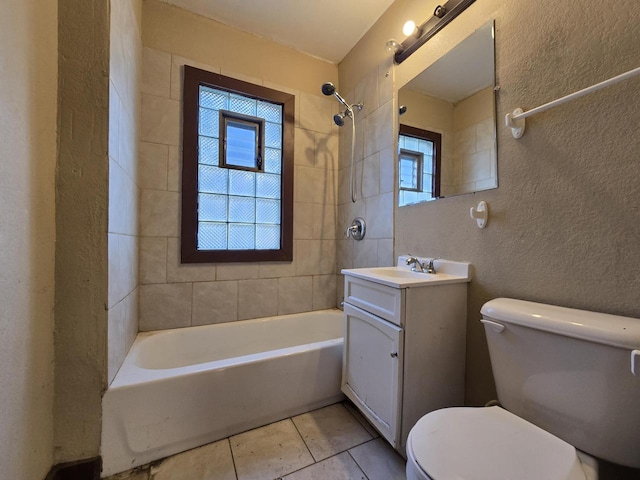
(174, 295)
(28, 72)
(81, 262)
(125, 59)
(564, 221)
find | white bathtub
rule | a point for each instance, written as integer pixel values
(182, 388)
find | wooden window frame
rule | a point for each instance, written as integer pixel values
(436, 139)
(189, 253)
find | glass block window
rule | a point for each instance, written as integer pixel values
(237, 170)
(418, 165)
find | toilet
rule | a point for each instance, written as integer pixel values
(568, 384)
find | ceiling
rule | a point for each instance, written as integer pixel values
(327, 29)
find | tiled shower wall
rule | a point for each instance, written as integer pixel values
(124, 114)
(374, 174)
(176, 295)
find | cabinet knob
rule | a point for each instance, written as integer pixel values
(394, 354)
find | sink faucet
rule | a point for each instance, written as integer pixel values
(417, 266)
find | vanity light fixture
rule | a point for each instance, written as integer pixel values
(418, 35)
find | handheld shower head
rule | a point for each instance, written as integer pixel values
(328, 89)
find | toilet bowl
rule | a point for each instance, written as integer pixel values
(568, 381)
(490, 444)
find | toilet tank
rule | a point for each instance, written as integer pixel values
(569, 372)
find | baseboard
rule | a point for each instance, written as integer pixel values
(87, 469)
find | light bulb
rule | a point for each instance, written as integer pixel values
(409, 28)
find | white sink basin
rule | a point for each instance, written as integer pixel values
(403, 277)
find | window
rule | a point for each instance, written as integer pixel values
(237, 173)
(418, 165)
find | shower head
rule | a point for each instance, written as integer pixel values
(402, 110)
(339, 118)
(329, 89)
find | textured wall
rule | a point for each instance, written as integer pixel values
(174, 295)
(81, 227)
(564, 221)
(125, 60)
(28, 54)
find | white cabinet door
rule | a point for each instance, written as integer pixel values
(372, 369)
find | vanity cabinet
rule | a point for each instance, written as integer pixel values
(404, 351)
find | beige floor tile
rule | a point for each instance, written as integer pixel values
(141, 473)
(330, 430)
(360, 418)
(340, 467)
(269, 452)
(210, 462)
(379, 461)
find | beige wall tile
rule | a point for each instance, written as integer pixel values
(385, 253)
(114, 120)
(378, 135)
(165, 306)
(186, 272)
(156, 72)
(325, 217)
(365, 253)
(326, 148)
(160, 121)
(303, 220)
(367, 92)
(371, 175)
(177, 73)
(314, 185)
(295, 294)
(324, 291)
(387, 164)
(305, 148)
(174, 169)
(257, 298)
(214, 302)
(316, 113)
(159, 216)
(153, 166)
(385, 81)
(276, 269)
(116, 337)
(153, 260)
(380, 216)
(237, 271)
(344, 253)
(476, 167)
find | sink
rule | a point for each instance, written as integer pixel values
(403, 277)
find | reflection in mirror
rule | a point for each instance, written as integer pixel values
(452, 100)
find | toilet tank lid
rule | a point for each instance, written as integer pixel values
(614, 330)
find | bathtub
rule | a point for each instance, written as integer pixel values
(182, 388)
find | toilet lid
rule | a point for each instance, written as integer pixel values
(489, 444)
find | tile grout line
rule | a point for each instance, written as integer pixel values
(356, 462)
(303, 441)
(233, 460)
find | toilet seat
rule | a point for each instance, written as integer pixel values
(488, 444)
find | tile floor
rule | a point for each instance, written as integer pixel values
(332, 443)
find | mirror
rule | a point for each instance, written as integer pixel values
(447, 137)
